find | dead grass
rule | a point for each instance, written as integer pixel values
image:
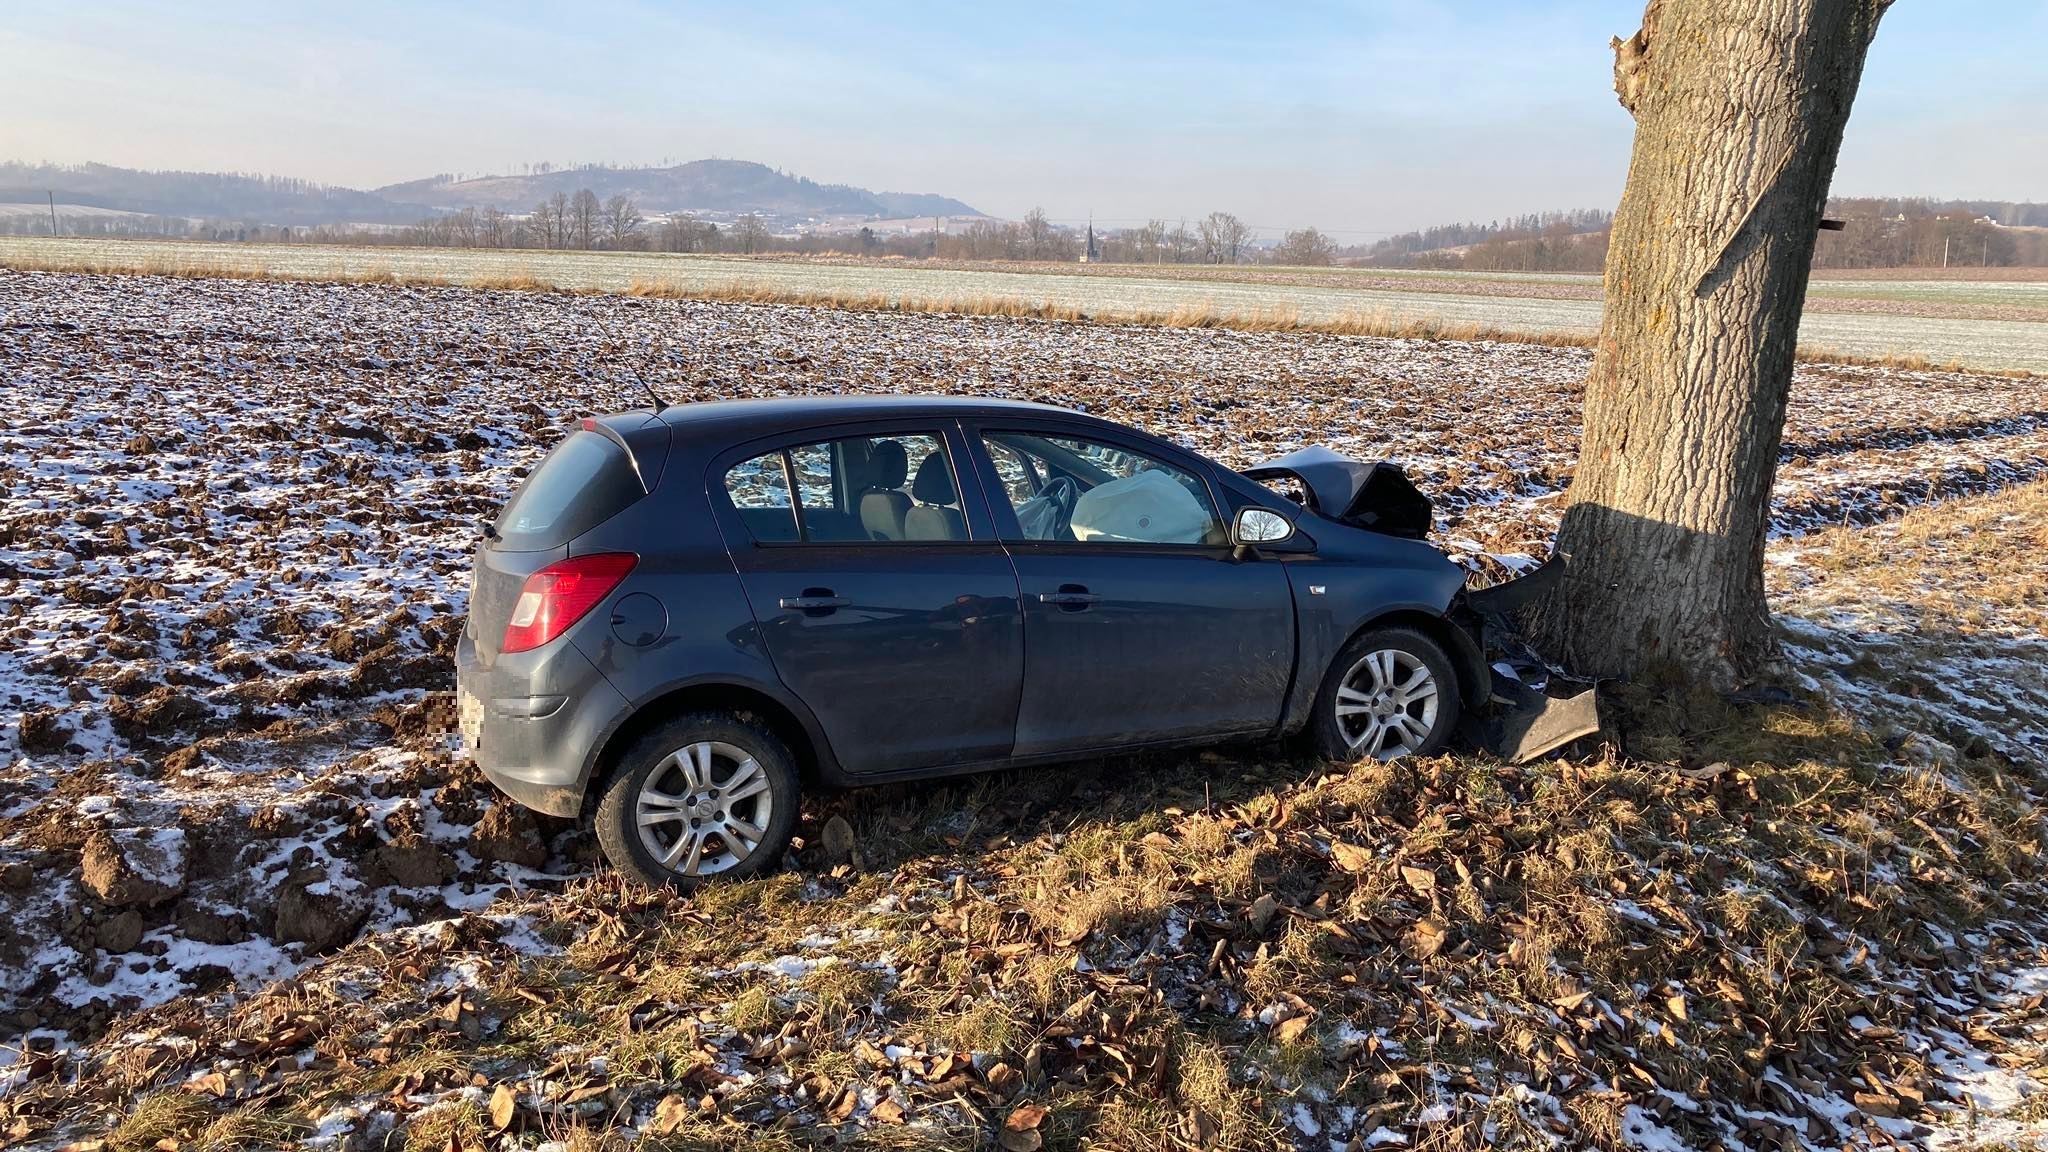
(1955, 560)
(172, 1115)
(1197, 952)
(1472, 914)
(1375, 324)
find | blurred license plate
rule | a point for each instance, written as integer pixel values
(470, 715)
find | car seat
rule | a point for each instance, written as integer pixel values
(934, 517)
(883, 502)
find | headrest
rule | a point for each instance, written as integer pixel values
(934, 481)
(888, 465)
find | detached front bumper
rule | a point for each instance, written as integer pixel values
(1520, 723)
(532, 721)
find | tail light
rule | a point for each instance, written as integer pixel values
(561, 594)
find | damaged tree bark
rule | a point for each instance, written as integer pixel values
(1739, 108)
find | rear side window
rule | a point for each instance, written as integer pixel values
(895, 487)
(759, 489)
(585, 481)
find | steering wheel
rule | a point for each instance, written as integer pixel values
(1064, 494)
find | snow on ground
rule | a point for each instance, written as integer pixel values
(235, 521)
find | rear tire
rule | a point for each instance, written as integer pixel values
(1391, 692)
(707, 795)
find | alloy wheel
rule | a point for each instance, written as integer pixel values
(1387, 704)
(704, 808)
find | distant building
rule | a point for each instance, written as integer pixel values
(1091, 253)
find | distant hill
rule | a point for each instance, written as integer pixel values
(733, 186)
(201, 195)
(699, 186)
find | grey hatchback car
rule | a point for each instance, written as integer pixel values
(686, 615)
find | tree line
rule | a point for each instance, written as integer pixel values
(582, 221)
(1933, 234)
(1876, 233)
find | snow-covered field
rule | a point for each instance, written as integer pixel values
(1998, 325)
(235, 520)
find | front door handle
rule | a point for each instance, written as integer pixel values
(1070, 597)
(813, 600)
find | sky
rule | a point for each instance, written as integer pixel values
(1360, 118)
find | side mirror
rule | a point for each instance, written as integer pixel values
(1255, 526)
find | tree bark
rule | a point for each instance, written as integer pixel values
(1739, 108)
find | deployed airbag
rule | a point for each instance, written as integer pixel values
(1147, 508)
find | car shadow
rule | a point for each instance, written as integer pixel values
(969, 816)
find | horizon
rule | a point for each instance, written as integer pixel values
(1362, 120)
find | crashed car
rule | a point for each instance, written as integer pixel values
(687, 615)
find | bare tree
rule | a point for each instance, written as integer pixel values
(678, 234)
(585, 218)
(1223, 237)
(622, 223)
(1038, 235)
(1180, 243)
(490, 228)
(462, 228)
(1305, 246)
(750, 233)
(1739, 113)
(551, 220)
(1149, 242)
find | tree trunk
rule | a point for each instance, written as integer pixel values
(1739, 107)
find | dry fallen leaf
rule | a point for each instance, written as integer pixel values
(1427, 938)
(1004, 1080)
(1020, 1129)
(1289, 1030)
(504, 1107)
(1422, 880)
(1350, 857)
(670, 1114)
(837, 840)
(1261, 913)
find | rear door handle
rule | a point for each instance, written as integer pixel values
(1070, 596)
(813, 600)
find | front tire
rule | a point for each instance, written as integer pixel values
(705, 795)
(1390, 693)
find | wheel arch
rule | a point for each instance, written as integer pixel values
(796, 730)
(1475, 677)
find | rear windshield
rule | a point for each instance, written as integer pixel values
(585, 481)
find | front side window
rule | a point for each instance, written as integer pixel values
(858, 489)
(1065, 489)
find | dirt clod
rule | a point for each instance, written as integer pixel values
(509, 833)
(320, 911)
(134, 866)
(120, 932)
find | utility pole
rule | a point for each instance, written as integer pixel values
(53, 212)
(1945, 242)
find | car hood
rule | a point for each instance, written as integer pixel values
(1377, 497)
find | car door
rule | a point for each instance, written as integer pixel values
(1140, 625)
(884, 599)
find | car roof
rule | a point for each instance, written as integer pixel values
(735, 419)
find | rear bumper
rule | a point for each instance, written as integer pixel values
(542, 716)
